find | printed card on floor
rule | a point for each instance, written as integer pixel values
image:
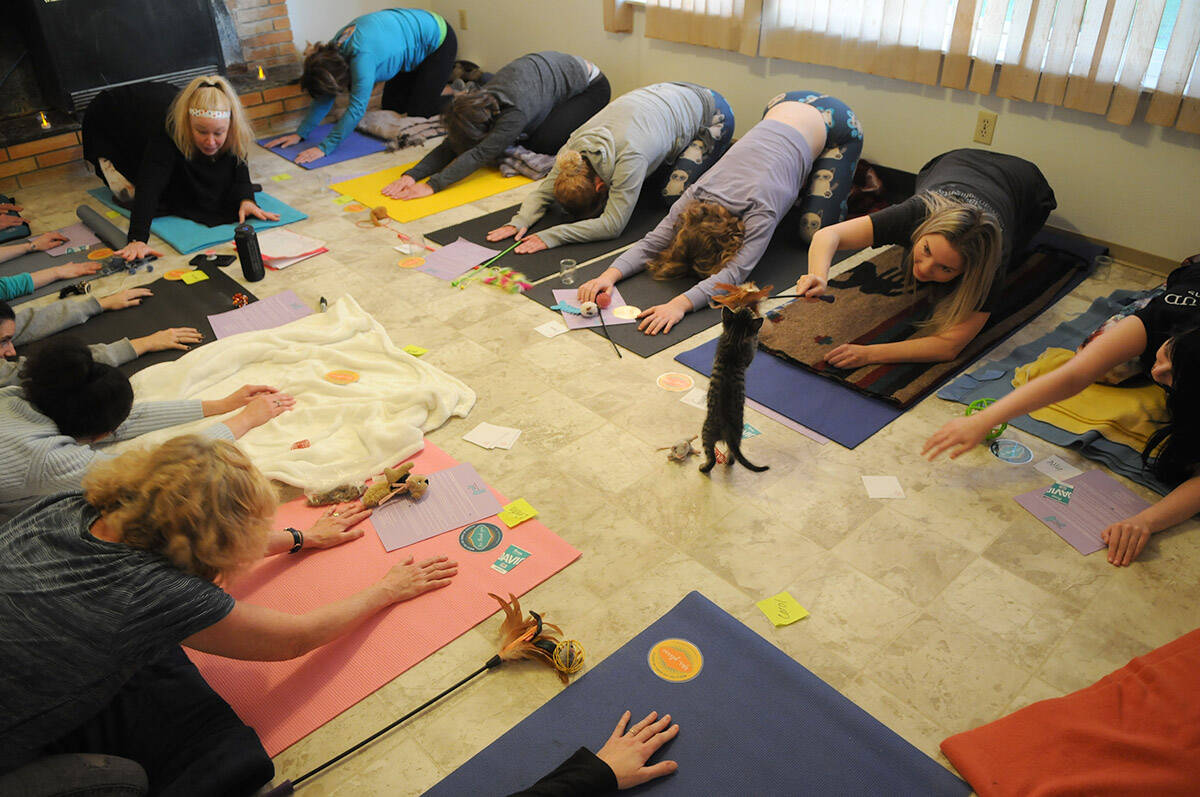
(487, 435)
(551, 329)
(268, 313)
(1093, 501)
(782, 609)
(1057, 468)
(696, 397)
(457, 496)
(883, 487)
(453, 259)
(510, 559)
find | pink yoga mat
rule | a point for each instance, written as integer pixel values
(285, 701)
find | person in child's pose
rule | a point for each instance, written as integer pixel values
(667, 134)
(542, 97)
(413, 50)
(185, 152)
(722, 224)
(1161, 339)
(30, 281)
(973, 212)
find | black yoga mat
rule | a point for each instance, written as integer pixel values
(174, 304)
(646, 215)
(784, 262)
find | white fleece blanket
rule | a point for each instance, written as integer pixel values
(355, 430)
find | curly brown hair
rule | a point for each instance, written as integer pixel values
(707, 236)
(196, 500)
(575, 186)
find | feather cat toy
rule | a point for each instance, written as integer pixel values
(727, 386)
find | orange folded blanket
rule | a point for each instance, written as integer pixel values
(1135, 731)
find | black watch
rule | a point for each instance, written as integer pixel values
(297, 539)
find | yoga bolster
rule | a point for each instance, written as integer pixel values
(105, 230)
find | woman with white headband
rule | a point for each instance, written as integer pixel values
(167, 152)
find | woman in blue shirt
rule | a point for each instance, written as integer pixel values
(413, 50)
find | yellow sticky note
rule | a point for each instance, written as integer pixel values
(112, 214)
(342, 199)
(782, 609)
(279, 178)
(415, 350)
(516, 513)
(194, 276)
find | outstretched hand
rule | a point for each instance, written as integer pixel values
(957, 436)
(626, 753)
(130, 297)
(248, 208)
(336, 526)
(1125, 540)
(507, 231)
(406, 581)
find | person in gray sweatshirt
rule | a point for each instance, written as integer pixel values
(666, 134)
(27, 324)
(538, 99)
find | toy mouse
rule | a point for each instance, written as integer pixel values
(681, 450)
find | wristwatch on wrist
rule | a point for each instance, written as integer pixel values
(297, 540)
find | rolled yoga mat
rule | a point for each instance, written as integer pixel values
(105, 230)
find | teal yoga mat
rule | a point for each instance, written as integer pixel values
(187, 236)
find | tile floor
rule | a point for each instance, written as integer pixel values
(935, 613)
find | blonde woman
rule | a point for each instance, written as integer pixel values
(168, 152)
(973, 212)
(101, 587)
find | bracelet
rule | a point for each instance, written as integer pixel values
(297, 540)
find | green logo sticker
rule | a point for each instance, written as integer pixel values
(480, 537)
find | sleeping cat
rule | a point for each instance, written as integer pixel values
(727, 387)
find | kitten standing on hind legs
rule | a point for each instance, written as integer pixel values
(727, 387)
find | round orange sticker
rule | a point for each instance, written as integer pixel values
(675, 381)
(353, 207)
(176, 274)
(341, 377)
(100, 254)
(411, 262)
(675, 660)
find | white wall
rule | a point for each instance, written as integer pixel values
(317, 20)
(1135, 186)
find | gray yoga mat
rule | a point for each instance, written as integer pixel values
(646, 215)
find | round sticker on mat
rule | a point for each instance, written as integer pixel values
(1011, 451)
(480, 537)
(675, 660)
(353, 207)
(675, 382)
(100, 254)
(341, 377)
(627, 311)
(176, 274)
(411, 262)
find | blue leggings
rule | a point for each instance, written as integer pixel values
(671, 180)
(823, 201)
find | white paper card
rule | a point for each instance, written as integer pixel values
(696, 397)
(551, 329)
(487, 435)
(1057, 469)
(883, 487)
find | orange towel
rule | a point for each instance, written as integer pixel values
(1134, 732)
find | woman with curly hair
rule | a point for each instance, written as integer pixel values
(720, 227)
(98, 590)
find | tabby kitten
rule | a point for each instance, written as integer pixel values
(727, 387)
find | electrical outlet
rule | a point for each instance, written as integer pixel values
(462, 19)
(985, 127)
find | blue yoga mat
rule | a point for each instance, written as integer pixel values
(188, 236)
(355, 145)
(752, 721)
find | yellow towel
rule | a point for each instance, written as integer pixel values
(1124, 415)
(483, 183)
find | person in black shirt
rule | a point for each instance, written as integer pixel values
(184, 150)
(973, 212)
(1161, 339)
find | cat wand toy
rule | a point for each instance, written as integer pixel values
(604, 326)
(824, 297)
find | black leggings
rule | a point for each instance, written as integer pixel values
(419, 92)
(568, 116)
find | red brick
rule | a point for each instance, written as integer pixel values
(282, 24)
(243, 4)
(9, 184)
(267, 109)
(251, 98)
(278, 37)
(73, 170)
(42, 145)
(280, 92)
(254, 55)
(59, 156)
(261, 12)
(296, 103)
(17, 167)
(245, 30)
(3, 154)
(278, 2)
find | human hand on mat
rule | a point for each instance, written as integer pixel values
(530, 244)
(507, 231)
(396, 187)
(122, 299)
(849, 355)
(47, 240)
(810, 285)
(406, 581)
(960, 434)
(259, 411)
(248, 208)
(415, 191)
(336, 526)
(661, 317)
(311, 154)
(136, 250)
(1126, 539)
(245, 394)
(626, 753)
(71, 270)
(290, 140)
(172, 338)
(589, 290)
(10, 221)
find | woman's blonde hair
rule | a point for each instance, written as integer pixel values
(196, 500)
(707, 236)
(976, 236)
(575, 185)
(209, 93)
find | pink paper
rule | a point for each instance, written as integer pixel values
(77, 235)
(268, 313)
(1097, 501)
(457, 496)
(571, 296)
(453, 259)
(285, 701)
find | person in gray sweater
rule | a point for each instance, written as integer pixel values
(27, 324)
(537, 99)
(67, 401)
(667, 134)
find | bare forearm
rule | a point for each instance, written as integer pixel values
(12, 251)
(1174, 508)
(821, 250)
(45, 276)
(918, 350)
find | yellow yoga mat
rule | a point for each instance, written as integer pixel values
(483, 183)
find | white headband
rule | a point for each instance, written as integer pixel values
(208, 114)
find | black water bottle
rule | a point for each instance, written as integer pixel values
(246, 241)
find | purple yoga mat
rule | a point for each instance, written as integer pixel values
(355, 145)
